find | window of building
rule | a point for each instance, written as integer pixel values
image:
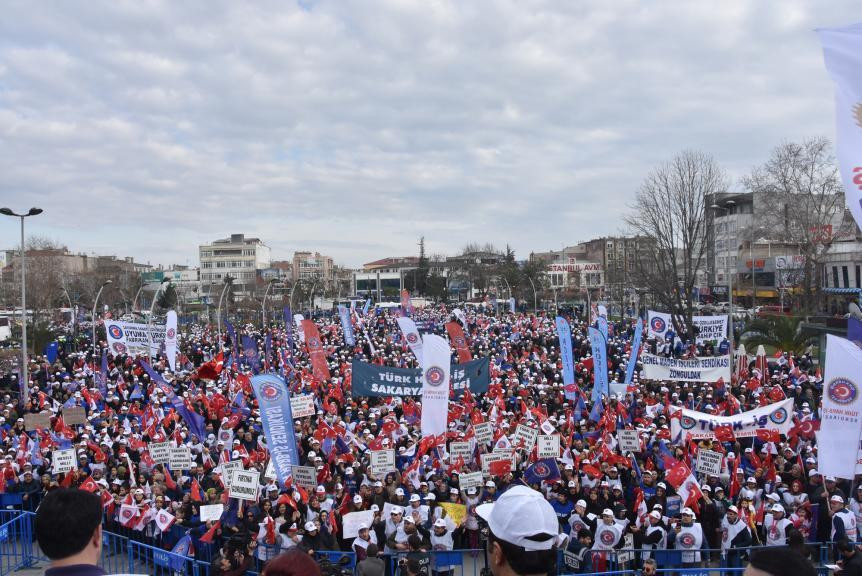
(221, 264)
(206, 264)
(835, 277)
(846, 276)
(858, 276)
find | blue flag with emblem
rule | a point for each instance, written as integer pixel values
(250, 353)
(366, 307)
(600, 364)
(275, 414)
(542, 470)
(633, 356)
(51, 352)
(180, 552)
(564, 333)
(288, 330)
(346, 325)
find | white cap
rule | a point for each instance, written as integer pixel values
(655, 514)
(409, 520)
(440, 523)
(362, 526)
(309, 526)
(582, 503)
(837, 498)
(415, 498)
(519, 515)
(776, 508)
(357, 499)
(607, 512)
(687, 512)
(733, 509)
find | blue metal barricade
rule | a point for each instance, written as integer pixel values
(16, 540)
(146, 559)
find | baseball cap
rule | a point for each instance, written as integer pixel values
(776, 508)
(655, 514)
(522, 516)
(309, 526)
(582, 503)
(733, 509)
(440, 523)
(837, 498)
(687, 512)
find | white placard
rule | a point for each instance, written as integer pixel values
(629, 440)
(496, 456)
(211, 512)
(549, 446)
(64, 460)
(181, 458)
(160, 452)
(305, 476)
(350, 522)
(484, 432)
(226, 468)
(462, 449)
(708, 462)
(471, 480)
(302, 406)
(382, 461)
(527, 435)
(244, 485)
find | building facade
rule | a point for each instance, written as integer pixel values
(310, 266)
(238, 257)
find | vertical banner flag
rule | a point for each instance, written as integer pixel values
(841, 420)
(842, 52)
(600, 364)
(512, 305)
(288, 329)
(564, 332)
(633, 356)
(459, 342)
(346, 325)
(366, 307)
(435, 385)
(315, 351)
(297, 321)
(277, 419)
(461, 317)
(103, 374)
(603, 326)
(406, 306)
(411, 334)
(171, 339)
(250, 354)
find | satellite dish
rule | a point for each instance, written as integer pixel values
(855, 312)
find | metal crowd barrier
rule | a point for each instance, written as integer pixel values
(16, 541)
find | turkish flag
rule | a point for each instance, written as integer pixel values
(459, 342)
(89, 485)
(724, 433)
(500, 467)
(210, 534)
(677, 474)
(769, 435)
(315, 351)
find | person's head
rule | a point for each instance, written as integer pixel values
(522, 532)
(372, 550)
(69, 525)
(778, 562)
(846, 548)
(836, 502)
(585, 537)
(650, 567)
(414, 542)
(292, 563)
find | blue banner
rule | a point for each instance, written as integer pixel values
(365, 308)
(193, 420)
(101, 376)
(250, 354)
(600, 365)
(346, 325)
(564, 332)
(373, 380)
(603, 326)
(288, 329)
(51, 351)
(633, 357)
(854, 331)
(277, 418)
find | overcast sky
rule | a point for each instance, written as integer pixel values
(145, 128)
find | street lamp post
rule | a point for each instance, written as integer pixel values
(535, 302)
(95, 306)
(24, 373)
(162, 285)
(727, 208)
(227, 283)
(265, 294)
(135, 302)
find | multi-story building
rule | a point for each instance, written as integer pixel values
(185, 280)
(313, 266)
(726, 227)
(238, 257)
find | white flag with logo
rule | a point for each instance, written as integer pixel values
(436, 357)
(164, 520)
(411, 334)
(842, 51)
(840, 422)
(171, 339)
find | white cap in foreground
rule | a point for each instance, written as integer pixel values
(522, 516)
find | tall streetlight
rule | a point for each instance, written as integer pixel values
(24, 374)
(728, 206)
(228, 280)
(265, 294)
(164, 283)
(535, 304)
(95, 306)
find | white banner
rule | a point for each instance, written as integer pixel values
(698, 369)
(699, 425)
(549, 446)
(841, 419)
(710, 327)
(131, 338)
(525, 437)
(181, 458)
(382, 461)
(305, 476)
(436, 360)
(411, 334)
(171, 339)
(297, 320)
(629, 440)
(350, 522)
(302, 406)
(226, 468)
(211, 512)
(160, 452)
(64, 460)
(708, 462)
(470, 480)
(842, 51)
(484, 432)
(462, 449)
(244, 484)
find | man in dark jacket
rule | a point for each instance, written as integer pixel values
(371, 565)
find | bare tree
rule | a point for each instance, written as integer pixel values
(800, 189)
(669, 210)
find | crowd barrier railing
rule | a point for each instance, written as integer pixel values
(16, 543)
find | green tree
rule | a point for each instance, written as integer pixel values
(781, 332)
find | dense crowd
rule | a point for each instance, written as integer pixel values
(768, 493)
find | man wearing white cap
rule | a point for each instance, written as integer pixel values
(843, 520)
(688, 537)
(654, 535)
(441, 541)
(364, 537)
(735, 536)
(608, 532)
(581, 519)
(522, 533)
(775, 526)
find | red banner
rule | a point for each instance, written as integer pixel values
(315, 351)
(459, 342)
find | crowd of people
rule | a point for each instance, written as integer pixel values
(607, 501)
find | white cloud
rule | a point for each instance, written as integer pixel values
(353, 127)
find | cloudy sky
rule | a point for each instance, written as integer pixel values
(147, 127)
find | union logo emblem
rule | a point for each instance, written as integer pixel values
(434, 376)
(842, 391)
(687, 540)
(270, 392)
(657, 324)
